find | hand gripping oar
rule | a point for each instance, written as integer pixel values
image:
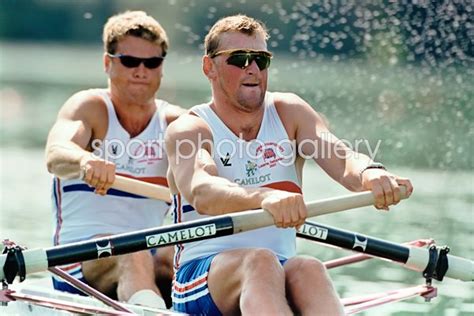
(22, 262)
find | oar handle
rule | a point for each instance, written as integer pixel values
(343, 203)
(248, 220)
(153, 191)
(315, 208)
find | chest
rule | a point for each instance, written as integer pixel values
(255, 163)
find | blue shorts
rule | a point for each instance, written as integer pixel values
(74, 270)
(190, 291)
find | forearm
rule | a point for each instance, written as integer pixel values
(354, 164)
(63, 159)
(221, 196)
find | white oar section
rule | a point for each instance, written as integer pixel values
(142, 188)
(458, 268)
(36, 260)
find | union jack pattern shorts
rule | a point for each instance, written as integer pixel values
(190, 292)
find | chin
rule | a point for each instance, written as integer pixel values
(140, 91)
(251, 102)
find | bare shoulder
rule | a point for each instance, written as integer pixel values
(82, 117)
(84, 105)
(286, 101)
(290, 105)
(173, 112)
(294, 112)
(188, 126)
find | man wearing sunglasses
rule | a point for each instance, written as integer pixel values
(117, 130)
(244, 150)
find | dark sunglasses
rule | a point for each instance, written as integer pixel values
(133, 62)
(242, 58)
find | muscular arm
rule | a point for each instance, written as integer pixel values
(69, 140)
(196, 178)
(340, 162)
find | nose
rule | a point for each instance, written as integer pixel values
(252, 68)
(140, 71)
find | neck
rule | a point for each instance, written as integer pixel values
(242, 123)
(133, 116)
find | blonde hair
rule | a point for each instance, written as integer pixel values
(133, 23)
(235, 23)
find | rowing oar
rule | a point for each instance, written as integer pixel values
(142, 188)
(414, 258)
(433, 262)
(18, 262)
(22, 262)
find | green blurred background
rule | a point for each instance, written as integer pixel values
(398, 72)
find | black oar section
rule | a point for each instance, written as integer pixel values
(119, 244)
(140, 240)
(354, 241)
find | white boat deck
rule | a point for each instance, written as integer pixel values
(43, 288)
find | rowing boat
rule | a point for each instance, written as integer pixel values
(434, 262)
(38, 297)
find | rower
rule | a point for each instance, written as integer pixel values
(101, 132)
(245, 149)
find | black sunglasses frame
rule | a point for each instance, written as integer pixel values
(242, 58)
(133, 62)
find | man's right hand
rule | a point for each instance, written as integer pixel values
(98, 173)
(288, 209)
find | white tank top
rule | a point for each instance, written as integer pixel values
(81, 214)
(267, 161)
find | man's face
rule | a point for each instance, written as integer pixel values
(244, 87)
(140, 83)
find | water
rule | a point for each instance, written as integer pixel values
(425, 137)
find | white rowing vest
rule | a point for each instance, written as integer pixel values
(267, 161)
(80, 213)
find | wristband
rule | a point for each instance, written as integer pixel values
(373, 165)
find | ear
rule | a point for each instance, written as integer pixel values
(106, 61)
(208, 67)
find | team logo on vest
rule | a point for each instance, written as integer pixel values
(147, 152)
(114, 149)
(130, 167)
(251, 168)
(271, 153)
(225, 161)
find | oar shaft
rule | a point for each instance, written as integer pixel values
(342, 203)
(153, 191)
(413, 258)
(259, 218)
(40, 259)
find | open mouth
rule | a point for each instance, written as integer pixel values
(250, 84)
